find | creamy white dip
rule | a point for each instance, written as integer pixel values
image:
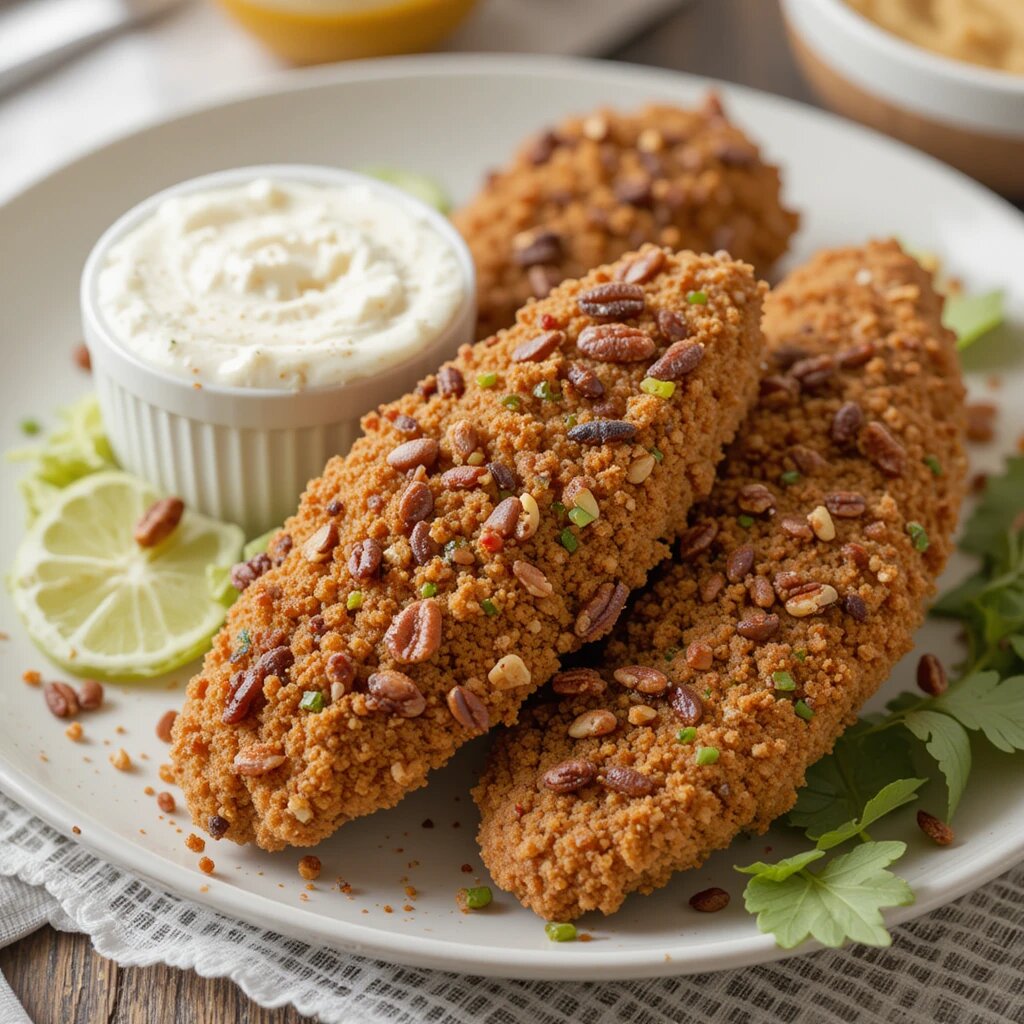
(276, 284)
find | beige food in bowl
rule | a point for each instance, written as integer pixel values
(986, 32)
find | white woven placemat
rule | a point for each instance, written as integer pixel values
(962, 964)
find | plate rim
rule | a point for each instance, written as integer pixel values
(435, 952)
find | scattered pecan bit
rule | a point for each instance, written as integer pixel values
(463, 438)
(640, 469)
(755, 499)
(532, 579)
(81, 358)
(601, 612)
(258, 759)
(854, 606)
(846, 424)
(875, 530)
(613, 300)
(785, 355)
(281, 545)
(394, 693)
(575, 682)
(814, 371)
(569, 776)
(858, 355)
(596, 722)
(642, 678)
(627, 781)
(644, 268)
(504, 517)
(846, 504)
(341, 674)
(820, 521)
(936, 830)
(711, 587)
(90, 695)
(931, 676)
(687, 705)
(415, 632)
(602, 432)
(364, 559)
(61, 699)
(807, 460)
(761, 592)
(679, 359)
(217, 826)
(319, 547)
(158, 522)
(857, 554)
(462, 478)
(335, 507)
(758, 628)
(504, 478)
(421, 451)
(542, 279)
(243, 697)
(710, 901)
(615, 343)
(699, 656)
(536, 350)
(610, 407)
(981, 426)
(540, 245)
(697, 539)
(776, 391)
(310, 867)
(468, 709)
(672, 326)
(882, 449)
(423, 546)
(633, 191)
(811, 600)
(245, 573)
(543, 148)
(740, 562)
(164, 726)
(796, 527)
(509, 673)
(166, 803)
(408, 426)
(788, 583)
(735, 154)
(415, 504)
(450, 382)
(585, 381)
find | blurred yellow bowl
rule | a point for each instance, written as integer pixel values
(320, 30)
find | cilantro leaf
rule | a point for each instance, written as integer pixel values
(781, 870)
(994, 707)
(1017, 644)
(841, 902)
(970, 317)
(985, 531)
(947, 741)
(886, 800)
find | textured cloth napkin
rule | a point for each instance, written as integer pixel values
(962, 964)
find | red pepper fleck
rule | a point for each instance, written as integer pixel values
(491, 542)
(549, 322)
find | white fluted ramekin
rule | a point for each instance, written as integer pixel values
(245, 454)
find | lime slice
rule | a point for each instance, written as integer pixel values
(100, 605)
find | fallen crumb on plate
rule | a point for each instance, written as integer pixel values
(195, 843)
(206, 865)
(74, 731)
(121, 760)
(309, 867)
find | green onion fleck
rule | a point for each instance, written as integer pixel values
(558, 508)
(706, 755)
(745, 521)
(671, 653)
(657, 453)
(568, 540)
(312, 700)
(475, 898)
(687, 735)
(428, 590)
(697, 298)
(512, 401)
(783, 681)
(661, 388)
(489, 606)
(545, 391)
(570, 419)
(790, 477)
(355, 600)
(919, 535)
(560, 932)
(580, 516)
(802, 708)
(800, 654)
(487, 380)
(244, 641)
(932, 462)
(30, 427)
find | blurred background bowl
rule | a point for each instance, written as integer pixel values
(317, 31)
(969, 116)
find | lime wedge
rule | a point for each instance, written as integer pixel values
(100, 605)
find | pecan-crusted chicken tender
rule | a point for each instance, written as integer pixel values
(595, 187)
(795, 590)
(486, 524)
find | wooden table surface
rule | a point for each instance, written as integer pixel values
(58, 977)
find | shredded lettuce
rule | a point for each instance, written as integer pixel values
(970, 317)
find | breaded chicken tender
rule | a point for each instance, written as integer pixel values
(794, 591)
(481, 527)
(595, 187)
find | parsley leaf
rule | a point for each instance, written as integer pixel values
(994, 707)
(781, 870)
(887, 799)
(985, 531)
(843, 901)
(947, 741)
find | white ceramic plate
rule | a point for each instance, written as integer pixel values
(452, 118)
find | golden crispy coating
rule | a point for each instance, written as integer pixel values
(801, 562)
(428, 584)
(596, 187)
